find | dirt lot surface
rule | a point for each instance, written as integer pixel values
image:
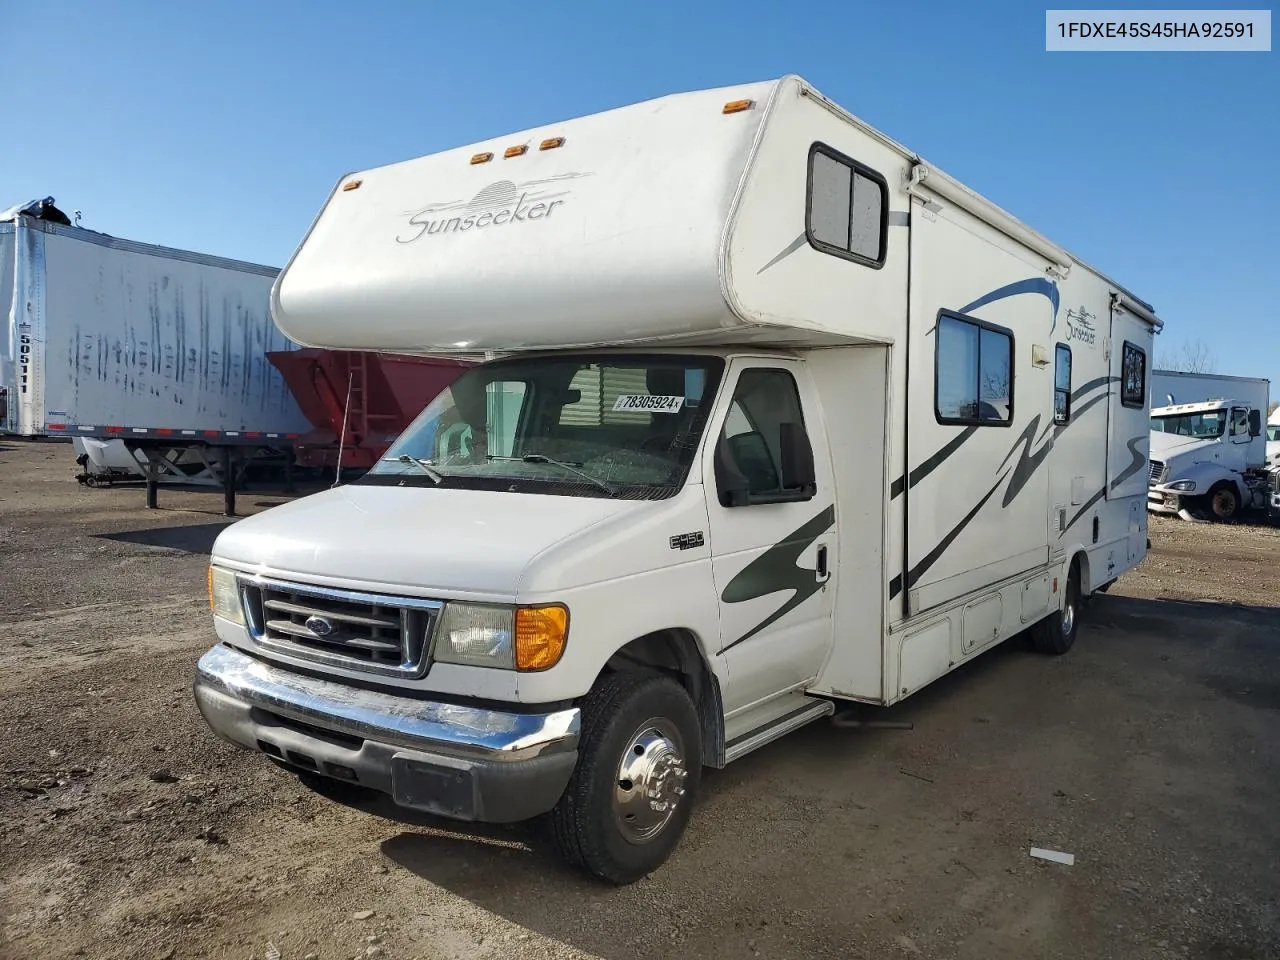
(1150, 753)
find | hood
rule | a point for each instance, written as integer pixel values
(419, 540)
(1167, 445)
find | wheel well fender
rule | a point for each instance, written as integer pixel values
(1081, 559)
(676, 653)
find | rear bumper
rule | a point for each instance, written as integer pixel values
(454, 761)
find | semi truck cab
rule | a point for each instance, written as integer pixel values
(1208, 458)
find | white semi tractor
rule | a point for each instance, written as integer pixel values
(1209, 445)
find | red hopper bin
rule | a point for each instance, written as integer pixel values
(386, 391)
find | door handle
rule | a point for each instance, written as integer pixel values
(822, 573)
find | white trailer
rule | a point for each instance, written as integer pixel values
(1170, 387)
(801, 421)
(162, 349)
(1209, 449)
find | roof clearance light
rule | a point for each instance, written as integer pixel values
(517, 151)
(351, 185)
(481, 158)
(551, 144)
(737, 106)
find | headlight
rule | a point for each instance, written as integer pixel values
(512, 638)
(475, 635)
(224, 595)
(1183, 486)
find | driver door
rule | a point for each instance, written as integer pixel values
(771, 504)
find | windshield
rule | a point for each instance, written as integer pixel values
(1273, 432)
(1202, 426)
(624, 426)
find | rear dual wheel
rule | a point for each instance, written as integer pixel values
(1056, 633)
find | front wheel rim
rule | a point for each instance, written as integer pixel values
(1224, 504)
(649, 785)
(1069, 616)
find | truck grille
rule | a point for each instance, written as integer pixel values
(1157, 471)
(365, 631)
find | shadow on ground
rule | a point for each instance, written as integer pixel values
(197, 538)
(537, 892)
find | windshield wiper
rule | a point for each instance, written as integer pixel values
(568, 467)
(423, 465)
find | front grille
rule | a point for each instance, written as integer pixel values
(366, 631)
(1157, 471)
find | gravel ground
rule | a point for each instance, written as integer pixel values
(1150, 753)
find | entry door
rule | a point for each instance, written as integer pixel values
(1128, 420)
(774, 554)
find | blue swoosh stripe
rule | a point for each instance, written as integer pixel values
(1046, 288)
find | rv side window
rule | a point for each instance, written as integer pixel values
(1133, 376)
(1062, 384)
(848, 207)
(974, 372)
(764, 454)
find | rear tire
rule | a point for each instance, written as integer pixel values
(631, 793)
(1056, 633)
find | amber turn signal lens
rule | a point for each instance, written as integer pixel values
(551, 144)
(210, 586)
(540, 636)
(481, 158)
(516, 151)
(351, 185)
(737, 106)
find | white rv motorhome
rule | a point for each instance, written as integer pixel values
(1209, 450)
(783, 417)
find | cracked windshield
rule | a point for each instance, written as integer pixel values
(607, 427)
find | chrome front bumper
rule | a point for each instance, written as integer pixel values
(1160, 501)
(458, 761)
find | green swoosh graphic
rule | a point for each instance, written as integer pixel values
(776, 570)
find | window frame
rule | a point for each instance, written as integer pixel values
(1141, 402)
(854, 168)
(1058, 350)
(937, 370)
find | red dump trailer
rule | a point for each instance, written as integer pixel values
(380, 393)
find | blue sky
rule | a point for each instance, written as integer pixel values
(221, 127)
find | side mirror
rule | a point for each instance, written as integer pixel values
(798, 471)
(1255, 423)
(746, 475)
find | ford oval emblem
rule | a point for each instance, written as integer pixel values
(319, 626)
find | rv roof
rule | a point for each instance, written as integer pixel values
(521, 242)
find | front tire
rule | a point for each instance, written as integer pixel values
(1223, 503)
(1056, 633)
(639, 764)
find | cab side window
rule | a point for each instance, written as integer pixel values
(763, 454)
(1240, 422)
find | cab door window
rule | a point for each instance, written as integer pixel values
(763, 454)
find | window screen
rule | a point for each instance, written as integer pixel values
(1133, 376)
(848, 203)
(974, 382)
(1062, 384)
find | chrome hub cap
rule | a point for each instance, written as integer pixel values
(650, 781)
(1068, 618)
